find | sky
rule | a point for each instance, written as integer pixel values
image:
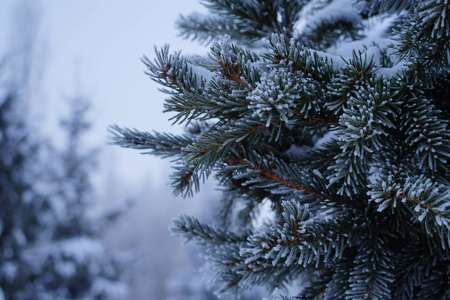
(93, 47)
(97, 46)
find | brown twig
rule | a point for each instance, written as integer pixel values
(297, 186)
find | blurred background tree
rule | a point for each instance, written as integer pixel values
(50, 245)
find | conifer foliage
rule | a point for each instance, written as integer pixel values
(49, 243)
(334, 112)
(19, 210)
(69, 261)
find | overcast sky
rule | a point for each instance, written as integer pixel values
(96, 46)
(100, 43)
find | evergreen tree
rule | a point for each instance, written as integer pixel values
(69, 261)
(336, 113)
(20, 206)
(49, 244)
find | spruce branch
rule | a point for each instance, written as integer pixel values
(338, 283)
(162, 144)
(297, 186)
(245, 11)
(192, 229)
(425, 131)
(368, 118)
(174, 72)
(314, 120)
(261, 17)
(430, 198)
(206, 29)
(433, 18)
(301, 240)
(373, 274)
(187, 178)
(216, 144)
(317, 287)
(354, 76)
(290, 53)
(413, 259)
(233, 72)
(391, 6)
(427, 203)
(327, 33)
(236, 64)
(439, 52)
(426, 35)
(216, 102)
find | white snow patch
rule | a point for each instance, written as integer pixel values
(317, 173)
(19, 236)
(265, 214)
(113, 289)
(423, 215)
(302, 22)
(374, 41)
(375, 35)
(66, 268)
(81, 248)
(336, 60)
(9, 270)
(202, 72)
(374, 175)
(295, 150)
(59, 207)
(342, 9)
(329, 136)
(201, 18)
(338, 9)
(199, 65)
(396, 69)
